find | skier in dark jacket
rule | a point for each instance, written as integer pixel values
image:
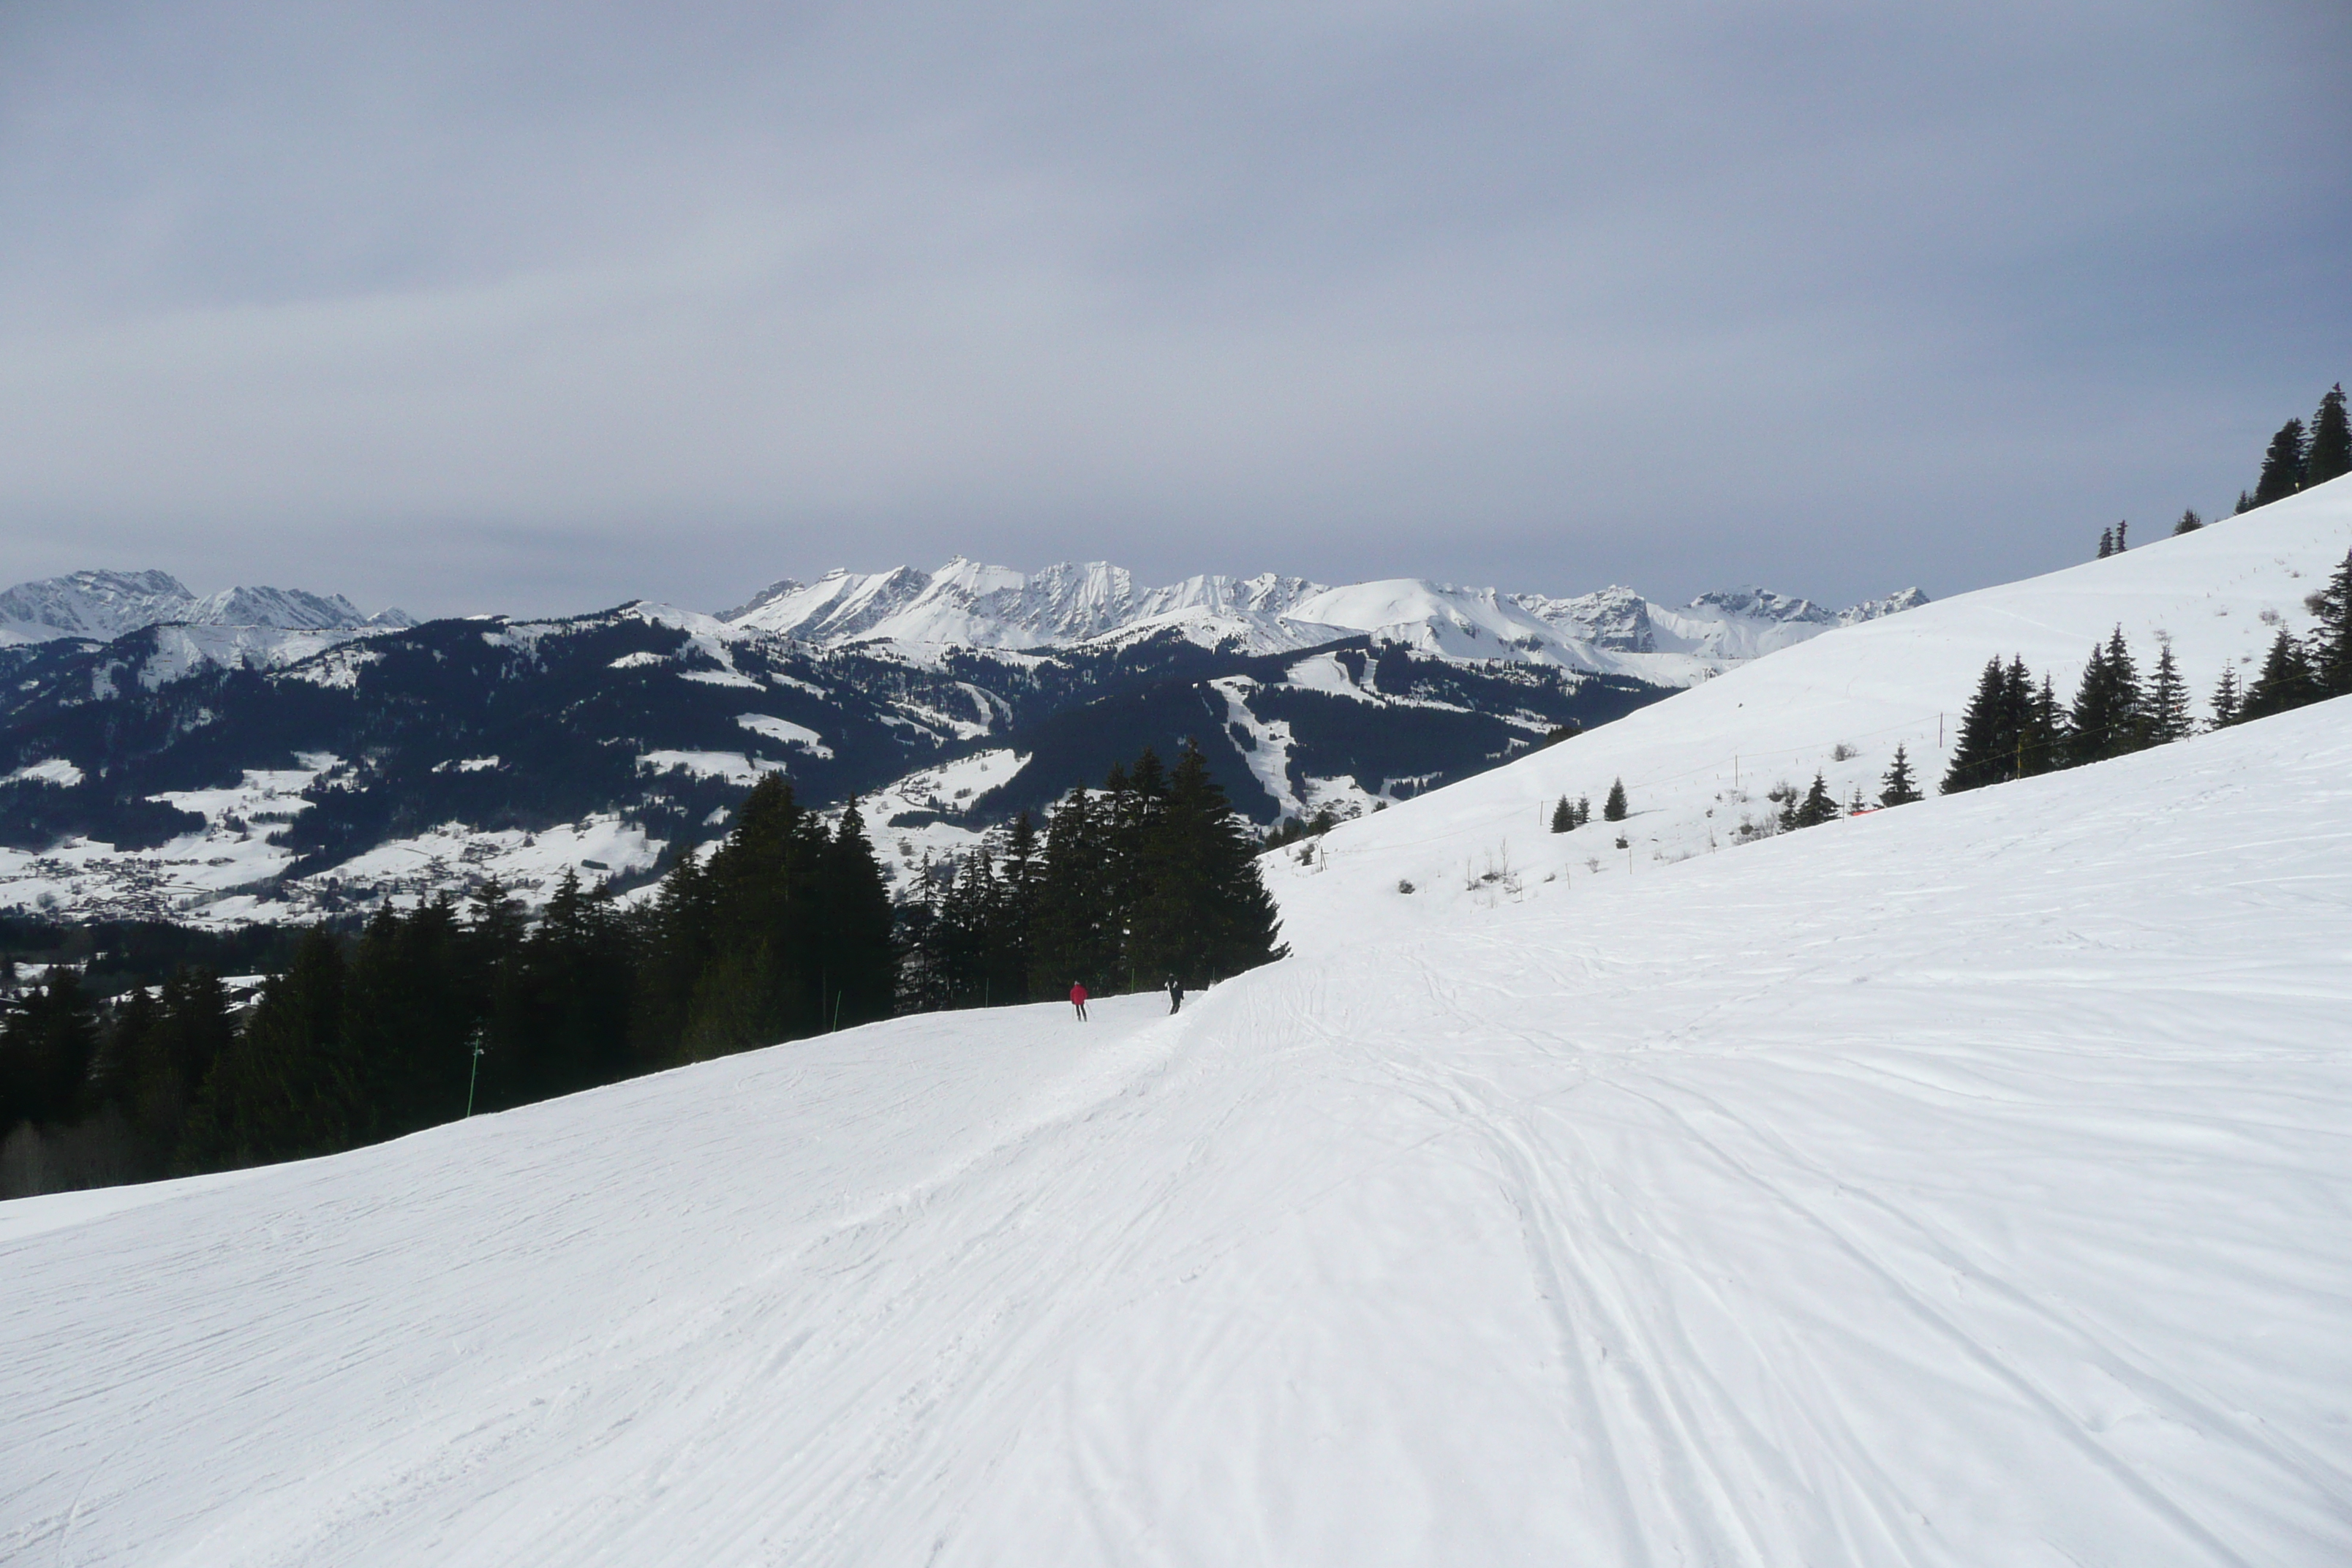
(1175, 994)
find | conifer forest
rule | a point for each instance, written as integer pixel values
(430, 1013)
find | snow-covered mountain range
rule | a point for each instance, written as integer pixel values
(144, 730)
(236, 625)
(966, 605)
(1962, 1184)
(1616, 630)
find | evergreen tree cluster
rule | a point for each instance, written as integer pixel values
(1291, 830)
(1570, 815)
(1150, 876)
(2015, 726)
(2300, 456)
(1816, 805)
(784, 930)
(2298, 670)
(1812, 808)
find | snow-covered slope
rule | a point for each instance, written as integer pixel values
(1964, 1184)
(965, 603)
(1698, 766)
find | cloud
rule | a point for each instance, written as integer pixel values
(538, 311)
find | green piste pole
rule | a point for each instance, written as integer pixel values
(475, 1076)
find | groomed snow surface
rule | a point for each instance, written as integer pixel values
(1965, 1185)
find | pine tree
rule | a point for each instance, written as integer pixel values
(856, 973)
(2285, 681)
(286, 1089)
(1614, 809)
(1133, 801)
(764, 981)
(2167, 708)
(1818, 807)
(2226, 699)
(2283, 465)
(2045, 734)
(2107, 542)
(1563, 816)
(1022, 876)
(1583, 810)
(2331, 640)
(575, 984)
(47, 1046)
(963, 933)
(2246, 504)
(2107, 720)
(126, 1047)
(2130, 696)
(2091, 722)
(1074, 936)
(675, 937)
(1899, 788)
(2189, 522)
(1985, 751)
(194, 1029)
(414, 989)
(2123, 530)
(2329, 456)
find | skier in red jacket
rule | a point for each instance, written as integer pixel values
(1079, 999)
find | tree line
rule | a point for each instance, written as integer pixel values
(782, 931)
(1152, 877)
(2015, 726)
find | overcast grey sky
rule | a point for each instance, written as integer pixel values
(469, 307)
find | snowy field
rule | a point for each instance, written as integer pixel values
(1970, 1185)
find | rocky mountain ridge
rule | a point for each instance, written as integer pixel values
(1615, 630)
(236, 625)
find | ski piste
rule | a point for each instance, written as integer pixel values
(1962, 1183)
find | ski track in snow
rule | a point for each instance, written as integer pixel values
(1964, 1184)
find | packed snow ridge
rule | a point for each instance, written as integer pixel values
(965, 603)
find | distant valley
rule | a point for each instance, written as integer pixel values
(266, 754)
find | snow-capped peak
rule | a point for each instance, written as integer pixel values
(102, 605)
(107, 605)
(290, 608)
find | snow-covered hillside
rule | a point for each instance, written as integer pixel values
(1614, 631)
(1963, 1184)
(1698, 767)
